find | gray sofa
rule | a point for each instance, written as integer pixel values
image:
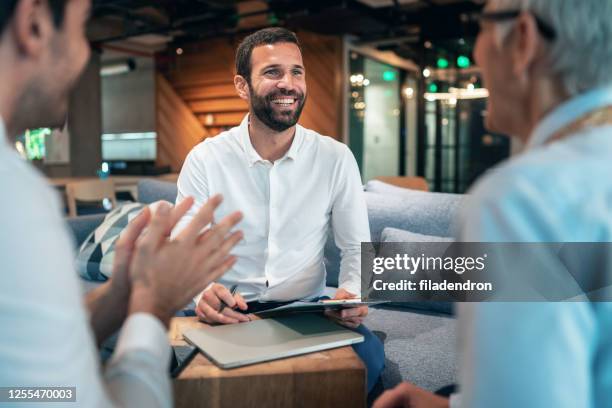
(419, 344)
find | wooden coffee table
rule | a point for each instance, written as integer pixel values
(332, 378)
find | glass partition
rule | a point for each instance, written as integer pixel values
(375, 114)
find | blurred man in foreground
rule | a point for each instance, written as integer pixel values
(48, 337)
(547, 67)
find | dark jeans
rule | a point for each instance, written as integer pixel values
(372, 353)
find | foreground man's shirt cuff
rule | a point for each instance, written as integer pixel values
(455, 401)
(143, 332)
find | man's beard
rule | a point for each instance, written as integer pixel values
(264, 110)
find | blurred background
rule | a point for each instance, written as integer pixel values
(393, 79)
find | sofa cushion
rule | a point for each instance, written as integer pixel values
(150, 191)
(419, 346)
(81, 227)
(399, 235)
(417, 211)
(419, 245)
(94, 259)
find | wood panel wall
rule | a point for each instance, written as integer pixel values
(325, 79)
(203, 79)
(178, 129)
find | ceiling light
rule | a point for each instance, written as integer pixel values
(118, 68)
(409, 92)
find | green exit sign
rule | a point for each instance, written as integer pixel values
(442, 63)
(463, 61)
(388, 76)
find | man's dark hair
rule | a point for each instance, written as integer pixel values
(266, 36)
(7, 8)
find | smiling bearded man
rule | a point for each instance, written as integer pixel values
(266, 108)
(292, 184)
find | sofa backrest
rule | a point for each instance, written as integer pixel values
(150, 191)
(388, 206)
(416, 211)
(422, 212)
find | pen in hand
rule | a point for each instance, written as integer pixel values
(233, 292)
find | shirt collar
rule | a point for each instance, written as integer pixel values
(568, 112)
(245, 141)
(254, 157)
(292, 153)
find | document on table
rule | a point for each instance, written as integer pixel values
(319, 306)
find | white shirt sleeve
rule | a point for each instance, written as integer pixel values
(349, 221)
(192, 182)
(46, 338)
(137, 374)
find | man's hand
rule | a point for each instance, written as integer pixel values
(108, 303)
(407, 395)
(351, 317)
(210, 305)
(124, 248)
(165, 274)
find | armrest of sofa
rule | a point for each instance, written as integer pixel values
(83, 226)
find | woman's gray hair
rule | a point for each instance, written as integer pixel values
(581, 53)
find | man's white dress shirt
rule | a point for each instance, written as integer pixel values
(542, 354)
(46, 338)
(288, 207)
